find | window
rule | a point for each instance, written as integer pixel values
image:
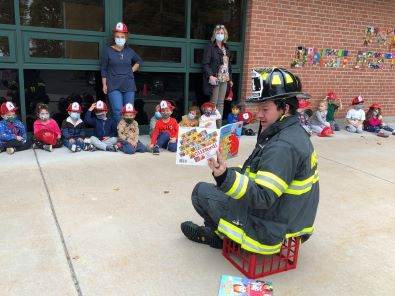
(78, 15)
(44, 48)
(9, 86)
(206, 14)
(155, 17)
(158, 53)
(7, 12)
(154, 87)
(4, 47)
(58, 88)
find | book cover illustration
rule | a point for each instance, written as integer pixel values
(236, 286)
(196, 145)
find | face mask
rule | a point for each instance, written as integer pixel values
(120, 41)
(375, 113)
(165, 115)
(191, 116)
(10, 118)
(360, 107)
(158, 115)
(75, 115)
(43, 116)
(101, 116)
(128, 120)
(207, 113)
(219, 37)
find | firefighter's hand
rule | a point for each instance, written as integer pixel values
(218, 166)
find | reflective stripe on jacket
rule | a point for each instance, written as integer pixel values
(275, 194)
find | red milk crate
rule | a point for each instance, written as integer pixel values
(254, 265)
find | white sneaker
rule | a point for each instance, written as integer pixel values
(11, 150)
(74, 148)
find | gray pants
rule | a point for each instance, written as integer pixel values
(353, 129)
(218, 98)
(102, 145)
(317, 128)
(210, 203)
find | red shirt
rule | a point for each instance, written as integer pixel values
(170, 127)
(51, 125)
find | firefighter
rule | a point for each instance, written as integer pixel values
(275, 194)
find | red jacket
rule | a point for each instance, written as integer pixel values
(170, 127)
(375, 121)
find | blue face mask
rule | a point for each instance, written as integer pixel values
(219, 37)
(207, 113)
(158, 115)
(101, 116)
(75, 115)
(360, 107)
(191, 116)
(10, 118)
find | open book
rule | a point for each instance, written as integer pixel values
(236, 286)
(196, 145)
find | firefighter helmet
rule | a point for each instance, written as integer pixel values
(7, 107)
(375, 106)
(357, 100)
(274, 84)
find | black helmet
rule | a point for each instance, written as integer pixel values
(275, 84)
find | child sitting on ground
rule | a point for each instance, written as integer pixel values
(319, 122)
(304, 115)
(234, 115)
(166, 130)
(105, 129)
(128, 131)
(154, 119)
(47, 134)
(210, 116)
(333, 105)
(355, 116)
(73, 129)
(192, 118)
(374, 123)
(12, 131)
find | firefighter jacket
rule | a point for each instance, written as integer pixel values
(275, 194)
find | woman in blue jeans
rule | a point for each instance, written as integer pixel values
(119, 63)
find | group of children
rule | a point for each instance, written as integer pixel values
(322, 122)
(108, 135)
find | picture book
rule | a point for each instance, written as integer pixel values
(236, 286)
(196, 145)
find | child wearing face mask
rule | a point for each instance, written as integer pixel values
(154, 119)
(210, 116)
(47, 134)
(128, 132)
(192, 118)
(374, 123)
(73, 129)
(105, 128)
(166, 130)
(12, 131)
(355, 116)
(318, 122)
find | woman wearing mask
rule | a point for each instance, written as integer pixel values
(119, 63)
(217, 69)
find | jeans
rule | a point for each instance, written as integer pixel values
(334, 125)
(352, 129)
(77, 142)
(210, 203)
(18, 145)
(118, 100)
(102, 145)
(163, 141)
(377, 128)
(218, 97)
(129, 149)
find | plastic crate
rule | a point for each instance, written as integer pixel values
(254, 265)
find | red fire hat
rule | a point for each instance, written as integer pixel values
(326, 132)
(101, 106)
(128, 108)
(375, 106)
(74, 107)
(46, 136)
(357, 100)
(331, 95)
(245, 117)
(303, 104)
(120, 28)
(207, 105)
(165, 104)
(8, 107)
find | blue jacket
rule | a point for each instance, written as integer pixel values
(232, 118)
(102, 128)
(8, 133)
(71, 131)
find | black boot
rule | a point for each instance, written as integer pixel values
(201, 234)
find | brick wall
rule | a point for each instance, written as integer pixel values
(274, 30)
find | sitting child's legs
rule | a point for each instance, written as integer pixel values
(98, 144)
(127, 148)
(58, 143)
(334, 125)
(163, 140)
(141, 147)
(316, 128)
(18, 145)
(350, 128)
(388, 128)
(372, 129)
(172, 147)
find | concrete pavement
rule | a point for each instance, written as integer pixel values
(108, 224)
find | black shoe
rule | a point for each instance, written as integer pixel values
(201, 234)
(111, 148)
(155, 150)
(47, 148)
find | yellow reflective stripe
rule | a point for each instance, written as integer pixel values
(299, 187)
(274, 177)
(269, 185)
(239, 187)
(234, 186)
(307, 230)
(271, 181)
(243, 189)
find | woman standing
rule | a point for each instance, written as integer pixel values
(217, 68)
(119, 63)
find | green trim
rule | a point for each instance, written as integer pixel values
(11, 46)
(244, 7)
